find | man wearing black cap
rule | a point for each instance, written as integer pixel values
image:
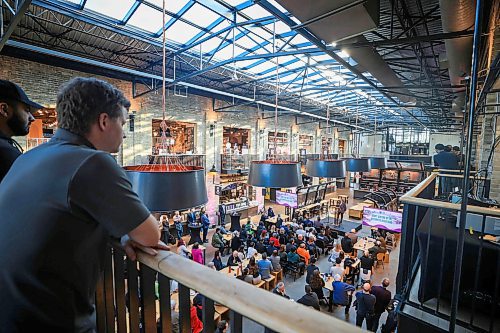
(15, 119)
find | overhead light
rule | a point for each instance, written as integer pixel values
(332, 44)
(358, 165)
(343, 54)
(326, 168)
(275, 174)
(378, 162)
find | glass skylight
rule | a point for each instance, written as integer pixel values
(181, 32)
(112, 8)
(148, 19)
(200, 15)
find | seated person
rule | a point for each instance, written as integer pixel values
(270, 212)
(290, 244)
(366, 262)
(265, 267)
(303, 253)
(218, 241)
(217, 260)
(234, 259)
(338, 269)
(310, 298)
(300, 231)
(276, 261)
(251, 251)
(293, 258)
(347, 244)
(376, 249)
(318, 224)
(274, 240)
(260, 247)
(223, 230)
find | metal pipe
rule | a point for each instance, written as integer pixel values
(468, 155)
(327, 14)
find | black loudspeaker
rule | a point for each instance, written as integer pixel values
(131, 122)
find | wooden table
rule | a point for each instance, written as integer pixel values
(362, 244)
(357, 210)
(227, 237)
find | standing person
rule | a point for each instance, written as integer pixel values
(222, 214)
(178, 224)
(59, 253)
(191, 216)
(205, 223)
(382, 297)
(15, 119)
(341, 293)
(222, 327)
(197, 254)
(340, 212)
(365, 307)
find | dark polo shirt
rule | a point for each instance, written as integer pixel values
(58, 207)
(8, 154)
(446, 160)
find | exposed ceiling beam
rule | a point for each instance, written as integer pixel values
(19, 13)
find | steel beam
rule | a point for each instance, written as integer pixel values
(20, 11)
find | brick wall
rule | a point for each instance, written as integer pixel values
(41, 82)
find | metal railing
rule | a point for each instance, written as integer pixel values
(136, 297)
(429, 240)
(231, 163)
(198, 160)
(303, 158)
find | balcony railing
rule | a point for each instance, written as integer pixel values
(184, 159)
(231, 163)
(429, 241)
(126, 298)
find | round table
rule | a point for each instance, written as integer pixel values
(235, 222)
(194, 231)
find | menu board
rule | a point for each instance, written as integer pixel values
(382, 219)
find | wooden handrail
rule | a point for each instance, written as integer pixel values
(244, 298)
(412, 199)
(419, 188)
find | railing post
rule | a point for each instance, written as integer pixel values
(165, 307)
(468, 155)
(184, 309)
(148, 299)
(208, 315)
(133, 296)
(236, 321)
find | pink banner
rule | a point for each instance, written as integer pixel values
(383, 219)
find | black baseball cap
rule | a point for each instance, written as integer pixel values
(12, 91)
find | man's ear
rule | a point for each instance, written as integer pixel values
(103, 121)
(3, 109)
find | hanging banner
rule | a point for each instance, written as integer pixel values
(286, 199)
(383, 219)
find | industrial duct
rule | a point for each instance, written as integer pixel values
(458, 15)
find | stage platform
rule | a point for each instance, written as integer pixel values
(346, 226)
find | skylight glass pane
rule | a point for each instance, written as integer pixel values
(148, 19)
(295, 65)
(200, 15)
(246, 42)
(245, 63)
(280, 27)
(227, 52)
(112, 8)
(181, 32)
(74, 1)
(235, 3)
(170, 6)
(255, 12)
(209, 45)
(262, 67)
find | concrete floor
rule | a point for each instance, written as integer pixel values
(295, 289)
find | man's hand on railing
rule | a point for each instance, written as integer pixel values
(130, 246)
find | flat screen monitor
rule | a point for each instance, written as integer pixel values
(382, 219)
(286, 199)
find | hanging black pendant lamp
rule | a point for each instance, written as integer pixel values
(167, 188)
(326, 168)
(358, 165)
(167, 184)
(378, 162)
(275, 174)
